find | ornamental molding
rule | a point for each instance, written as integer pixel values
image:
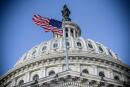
(73, 58)
(50, 62)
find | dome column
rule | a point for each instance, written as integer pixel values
(74, 34)
(69, 33)
(94, 70)
(42, 73)
(122, 77)
(109, 73)
(27, 77)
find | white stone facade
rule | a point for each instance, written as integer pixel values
(87, 59)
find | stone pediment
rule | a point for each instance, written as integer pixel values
(66, 79)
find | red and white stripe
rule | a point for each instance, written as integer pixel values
(44, 23)
(40, 21)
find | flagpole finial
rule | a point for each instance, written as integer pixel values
(65, 13)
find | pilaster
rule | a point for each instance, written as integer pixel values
(43, 72)
(94, 70)
(27, 77)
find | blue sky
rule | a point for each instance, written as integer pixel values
(104, 21)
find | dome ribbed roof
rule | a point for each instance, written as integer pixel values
(56, 46)
(75, 43)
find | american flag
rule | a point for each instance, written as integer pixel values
(49, 25)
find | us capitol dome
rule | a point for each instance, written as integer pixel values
(91, 64)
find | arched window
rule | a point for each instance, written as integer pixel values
(21, 82)
(35, 77)
(55, 45)
(51, 73)
(100, 49)
(44, 48)
(79, 44)
(85, 71)
(90, 45)
(116, 77)
(101, 74)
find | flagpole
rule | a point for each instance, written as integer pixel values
(65, 45)
(65, 14)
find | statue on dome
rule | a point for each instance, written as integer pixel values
(65, 13)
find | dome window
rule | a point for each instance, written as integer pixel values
(72, 33)
(109, 52)
(116, 77)
(21, 82)
(66, 32)
(79, 44)
(100, 49)
(67, 44)
(51, 73)
(90, 45)
(66, 29)
(33, 53)
(35, 77)
(55, 45)
(44, 48)
(101, 74)
(85, 71)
